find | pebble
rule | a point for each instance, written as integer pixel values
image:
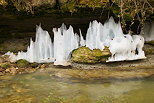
(7, 70)
(43, 66)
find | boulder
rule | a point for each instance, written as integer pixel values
(22, 63)
(86, 55)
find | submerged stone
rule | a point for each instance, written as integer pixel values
(86, 55)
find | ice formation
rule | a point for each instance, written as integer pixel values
(123, 47)
(39, 51)
(65, 41)
(99, 35)
(127, 47)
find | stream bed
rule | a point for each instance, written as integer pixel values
(41, 87)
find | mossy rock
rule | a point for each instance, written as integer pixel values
(86, 55)
(22, 63)
(5, 65)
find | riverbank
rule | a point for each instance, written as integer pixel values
(112, 70)
(118, 70)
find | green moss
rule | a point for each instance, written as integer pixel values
(85, 55)
(82, 55)
(148, 48)
(150, 42)
(22, 63)
(149, 51)
(53, 99)
(5, 66)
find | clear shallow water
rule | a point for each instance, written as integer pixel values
(40, 87)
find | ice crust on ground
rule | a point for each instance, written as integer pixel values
(43, 50)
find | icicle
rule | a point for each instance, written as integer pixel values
(122, 47)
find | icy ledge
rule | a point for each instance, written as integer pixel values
(42, 50)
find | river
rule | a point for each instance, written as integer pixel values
(42, 87)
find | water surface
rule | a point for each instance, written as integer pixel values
(41, 87)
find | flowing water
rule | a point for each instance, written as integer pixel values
(41, 87)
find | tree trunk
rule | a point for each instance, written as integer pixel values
(57, 5)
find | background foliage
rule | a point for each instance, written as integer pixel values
(125, 10)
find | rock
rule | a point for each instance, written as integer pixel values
(43, 66)
(34, 65)
(85, 55)
(5, 65)
(31, 70)
(63, 67)
(62, 63)
(13, 71)
(22, 63)
(1, 69)
(4, 58)
(7, 70)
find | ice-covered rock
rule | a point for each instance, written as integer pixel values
(127, 47)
